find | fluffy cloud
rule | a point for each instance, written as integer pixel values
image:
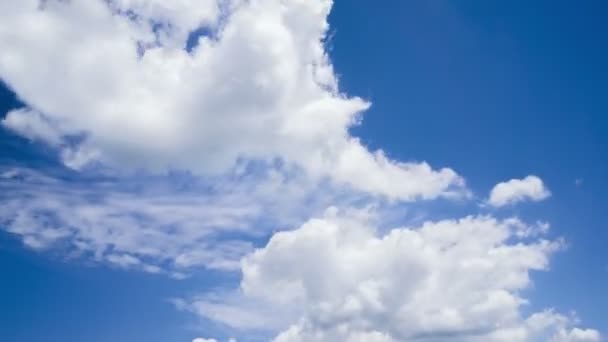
(577, 335)
(518, 190)
(258, 85)
(337, 278)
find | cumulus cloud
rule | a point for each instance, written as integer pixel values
(257, 85)
(514, 191)
(338, 278)
(579, 335)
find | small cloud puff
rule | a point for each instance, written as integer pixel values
(514, 191)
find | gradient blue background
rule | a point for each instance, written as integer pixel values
(494, 89)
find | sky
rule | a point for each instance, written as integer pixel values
(294, 170)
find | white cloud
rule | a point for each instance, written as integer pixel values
(337, 278)
(518, 190)
(173, 223)
(32, 125)
(174, 232)
(261, 87)
(200, 339)
(562, 331)
(577, 335)
(153, 225)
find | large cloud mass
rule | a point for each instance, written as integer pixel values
(340, 279)
(194, 85)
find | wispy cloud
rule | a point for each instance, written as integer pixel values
(169, 223)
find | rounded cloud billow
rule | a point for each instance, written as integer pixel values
(530, 188)
(260, 86)
(452, 280)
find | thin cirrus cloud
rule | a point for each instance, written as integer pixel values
(162, 230)
(515, 191)
(254, 114)
(157, 224)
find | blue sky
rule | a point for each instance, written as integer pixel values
(493, 91)
(496, 91)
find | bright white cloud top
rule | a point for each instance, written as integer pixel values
(254, 114)
(259, 86)
(514, 191)
(338, 278)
